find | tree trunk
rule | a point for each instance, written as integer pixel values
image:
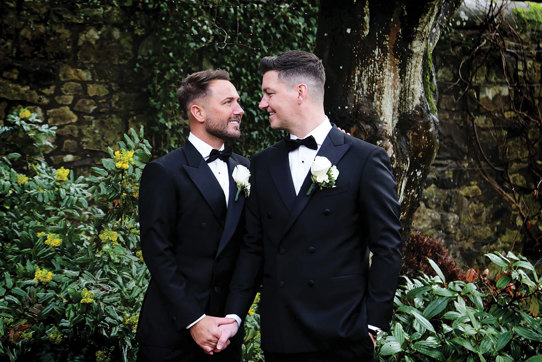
(380, 81)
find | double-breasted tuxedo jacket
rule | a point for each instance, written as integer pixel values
(311, 253)
(190, 243)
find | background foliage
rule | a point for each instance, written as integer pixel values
(193, 35)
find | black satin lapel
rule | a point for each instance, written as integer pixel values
(281, 175)
(210, 189)
(234, 209)
(334, 149)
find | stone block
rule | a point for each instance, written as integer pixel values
(426, 219)
(91, 35)
(65, 99)
(98, 90)
(128, 101)
(101, 133)
(69, 130)
(495, 98)
(16, 92)
(69, 73)
(85, 105)
(49, 90)
(70, 146)
(61, 115)
(12, 74)
(72, 88)
(471, 191)
(477, 213)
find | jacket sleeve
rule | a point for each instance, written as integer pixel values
(157, 216)
(248, 272)
(381, 219)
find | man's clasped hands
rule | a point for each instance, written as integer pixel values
(213, 334)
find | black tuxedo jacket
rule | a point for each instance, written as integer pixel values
(311, 253)
(190, 243)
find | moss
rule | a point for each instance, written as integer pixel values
(428, 83)
(531, 16)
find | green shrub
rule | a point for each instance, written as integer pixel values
(495, 320)
(71, 276)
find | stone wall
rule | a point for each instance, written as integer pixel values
(459, 205)
(73, 64)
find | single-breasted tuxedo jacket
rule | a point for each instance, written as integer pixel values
(190, 243)
(311, 253)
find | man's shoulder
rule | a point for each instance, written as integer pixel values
(169, 159)
(241, 159)
(268, 151)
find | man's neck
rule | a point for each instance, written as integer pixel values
(211, 140)
(307, 124)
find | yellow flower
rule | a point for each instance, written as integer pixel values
(21, 179)
(55, 336)
(109, 234)
(139, 254)
(43, 275)
(135, 192)
(86, 296)
(24, 113)
(132, 322)
(123, 159)
(62, 174)
(53, 240)
(40, 234)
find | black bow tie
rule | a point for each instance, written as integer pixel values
(308, 142)
(223, 155)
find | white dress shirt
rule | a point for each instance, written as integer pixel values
(301, 158)
(218, 167)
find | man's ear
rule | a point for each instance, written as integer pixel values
(302, 92)
(197, 112)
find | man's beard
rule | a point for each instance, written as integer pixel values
(221, 130)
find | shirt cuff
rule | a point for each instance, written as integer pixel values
(236, 317)
(373, 328)
(196, 321)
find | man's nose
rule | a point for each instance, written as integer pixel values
(263, 103)
(239, 110)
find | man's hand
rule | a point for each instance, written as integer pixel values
(373, 339)
(206, 332)
(228, 329)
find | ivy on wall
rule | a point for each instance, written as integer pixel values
(188, 36)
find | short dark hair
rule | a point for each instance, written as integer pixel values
(297, 64)
(196, 85)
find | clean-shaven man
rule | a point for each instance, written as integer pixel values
(308, 239)
(190, 208)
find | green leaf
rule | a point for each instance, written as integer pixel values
(390, 348)
(497, 260)
(109, 164)
(443, 292)
(417, 292)
(437, 270)
(503, 340)
(422, 347)
(423, 321)
(503, 281)
(537, 358)
(528, 334)
(435, 307)
(99, 171)
(524, 264)
(9, 282)
(399, 333)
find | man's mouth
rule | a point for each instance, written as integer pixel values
(235, 121)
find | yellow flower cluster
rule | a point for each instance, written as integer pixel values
(124, 158)
(254, 305)
(109, 234)
(139, 254)
(132, 322)
(40, 234)
(53, 240)
(21, 179)
(86, 296)
(62, 174)
(55, 336)
(24, 113)
(43, 275)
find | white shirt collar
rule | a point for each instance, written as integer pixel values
(319, 133)
(203, 148)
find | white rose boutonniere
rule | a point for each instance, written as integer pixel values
(241, 176)
(323, 174)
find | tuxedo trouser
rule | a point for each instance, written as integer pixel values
(363, 352)
(189, 352)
